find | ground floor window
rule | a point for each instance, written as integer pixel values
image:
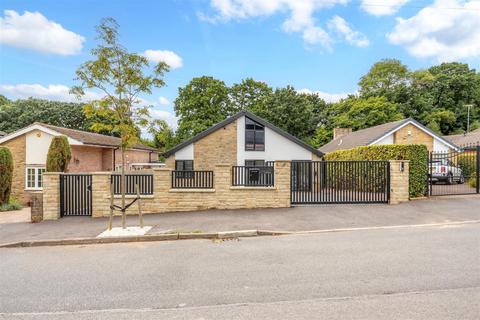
(254, 163)
(184, 165)
(34, 177)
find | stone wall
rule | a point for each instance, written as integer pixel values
(416, 136)
(399, 170)
(51, 195)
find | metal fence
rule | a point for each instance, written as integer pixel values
(262, 176)
(192, 179)
(316, 182)
(144, 181)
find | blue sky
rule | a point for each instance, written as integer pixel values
(318, 45)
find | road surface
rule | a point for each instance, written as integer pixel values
(413, 273)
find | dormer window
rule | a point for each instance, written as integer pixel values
(254, 135)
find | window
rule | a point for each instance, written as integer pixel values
(254, 163)
(34, 177)
(184, 165)
(254, 135)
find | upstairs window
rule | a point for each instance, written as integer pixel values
(254, 135)
(254, 163)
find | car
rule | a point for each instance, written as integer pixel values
(444, 170)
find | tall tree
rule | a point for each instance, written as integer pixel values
(6, 174)
(250, 95)
(200, 104)
(121, 77)
(59, 155)
(163, 135)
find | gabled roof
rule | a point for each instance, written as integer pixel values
(76, 137)
(372, 135)
(232, 119)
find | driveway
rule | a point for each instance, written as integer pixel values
(300, 218)
(22, 215)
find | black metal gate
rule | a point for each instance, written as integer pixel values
(454, 172)
(318, 182)
(75, 195)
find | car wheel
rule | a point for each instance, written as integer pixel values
(462, 179)
(450, 178)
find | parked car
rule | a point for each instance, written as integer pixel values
(445, 170)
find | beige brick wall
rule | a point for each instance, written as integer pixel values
(51, 196)
(399, 181)
(17, 148)
(170, 162)
(219, 147)
(416, 136)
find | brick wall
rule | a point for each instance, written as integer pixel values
(416, 136)
(219, 146)
(86, 159)
(399, 181)
(17, 148)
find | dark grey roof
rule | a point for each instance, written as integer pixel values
(364, 137)
(235, 117)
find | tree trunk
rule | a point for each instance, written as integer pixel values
(122, 178)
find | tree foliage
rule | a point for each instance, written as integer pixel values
(6, 175)
(59, 155)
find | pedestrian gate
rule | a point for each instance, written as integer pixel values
(317, 182)
(75, 195)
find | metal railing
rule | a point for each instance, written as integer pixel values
(144, 181)
(263, 176)
(192, 179)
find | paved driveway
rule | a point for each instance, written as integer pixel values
(304, 218)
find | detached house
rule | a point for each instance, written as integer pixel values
(241, 140)
(406, 131)
(90, 152)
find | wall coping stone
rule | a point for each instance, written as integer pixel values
(192, 190)
(253, 188)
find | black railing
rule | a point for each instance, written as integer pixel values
(192, 179)
(144, 181)
(253, 176)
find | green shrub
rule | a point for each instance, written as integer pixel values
(473, 180)
(13, 204)
(6, 174)
(468, 163)
(59, 155)
(417, 154)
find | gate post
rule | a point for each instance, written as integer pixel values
(478, 169)
(51, 195)
(399, 181)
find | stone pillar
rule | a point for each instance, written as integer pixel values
(222, 184)
(37, 206)
(162, 182)
(101, 194)
(399, 181)
(282, 182)
(51, 195)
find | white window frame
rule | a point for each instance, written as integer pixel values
(36, 170)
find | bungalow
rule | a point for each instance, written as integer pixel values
(90, 152)
(406, 131)
(466, 140)
(244, 139)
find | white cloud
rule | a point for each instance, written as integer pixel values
(328, 97)
(382, 7)
(435, 32)
(340, 26)
(34, 31)
(300, 20)
(163, 101)
(165, 115)
(57, 92)
(169, 57)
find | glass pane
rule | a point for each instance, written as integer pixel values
(179, 165)
(39, 177)
(188, 165)
(30, 177)
(249, 140)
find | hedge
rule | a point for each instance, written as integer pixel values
(416, 153)
(59, 154)
(6, 174)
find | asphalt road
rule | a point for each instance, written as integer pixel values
(415, 273)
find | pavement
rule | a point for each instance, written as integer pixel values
(295, 219)
(404, 273)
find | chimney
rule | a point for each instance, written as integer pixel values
(340, 132)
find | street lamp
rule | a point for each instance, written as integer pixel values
(468, 116)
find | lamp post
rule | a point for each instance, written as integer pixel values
(468, 116)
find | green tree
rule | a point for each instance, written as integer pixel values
(200, 104)
(442, 121)
(6, 175)
(18, 114)
(121, 77)
(388, 78)
(163, 135)
(360, 113)
(250, 95)
(59, 155)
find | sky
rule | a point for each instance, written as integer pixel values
(322, 46)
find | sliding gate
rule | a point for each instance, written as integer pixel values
(318, 182)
